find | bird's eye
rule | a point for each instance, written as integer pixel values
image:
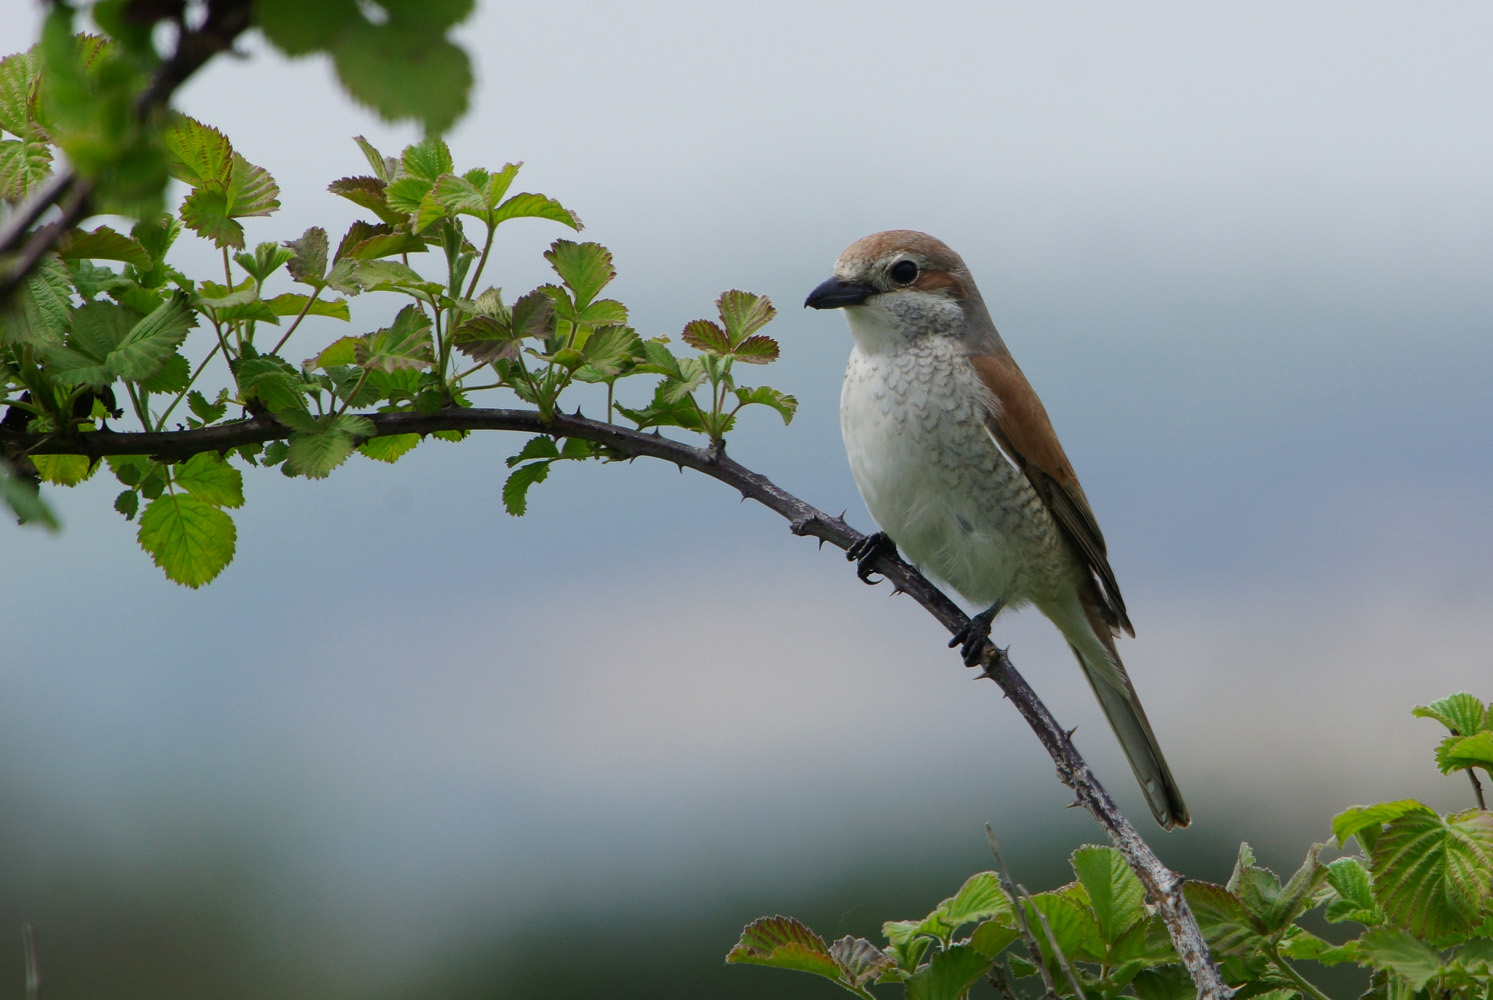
(904, 272)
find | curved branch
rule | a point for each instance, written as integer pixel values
(1163, 886)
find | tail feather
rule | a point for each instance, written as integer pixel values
(1101, 665)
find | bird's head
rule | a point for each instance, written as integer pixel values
(899, 286)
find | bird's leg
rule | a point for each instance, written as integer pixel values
(867, 550)
(968, 638)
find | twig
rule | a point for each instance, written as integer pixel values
(33, 961)
(1053, 941)
(1477, 789)
(225, 21)
(999, 977)
(1163, 886)
(1019, 896)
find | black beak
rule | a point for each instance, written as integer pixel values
(837, 293)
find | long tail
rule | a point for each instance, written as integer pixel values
(1092, 641)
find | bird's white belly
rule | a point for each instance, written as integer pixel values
(935, 481)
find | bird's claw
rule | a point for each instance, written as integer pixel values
(972, 636)
(867, 550)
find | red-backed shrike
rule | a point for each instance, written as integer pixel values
(959, 465)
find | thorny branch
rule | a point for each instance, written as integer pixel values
(1163, 886)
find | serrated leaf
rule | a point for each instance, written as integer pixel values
(1462, 713)
(536, 206)
(128, 504)
(428, 159)
(785, 404)
(783, 943)
(1223, 920)
(292, 303)
(207, 412)
(152, 340)
(391, 275)
(1351, 881)
(1391, 948)
(603, 312)
(24, 500)
(308, 262)
(992, 937)
(272, 381)
(390, 448)
(1073, 926)
(191, 540)
(516, 492)
(404, 74)
(979, 898)
(949, 975)
(315, 453)
(265, 261)
(1166, 982)
(1364, 822)
(383, 166)
(541, 446)
(1459, 752)
(174, 375)
(703, 335)
(1295, 897)
(63, 470)
(196, 153)
(209, 478)
(369, 193)
(757, 350)
(251, 190)
(1432, 876)
(1115, 893)
(609, 350)
(586, 268)
(102, 243)
(40, 312)
(20, 75)
(24, 165)
(743, 313)
(405, 343)
(860, 961)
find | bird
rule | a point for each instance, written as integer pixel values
(959, 465)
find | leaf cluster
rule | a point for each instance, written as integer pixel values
(107, 328)
(1420, 894)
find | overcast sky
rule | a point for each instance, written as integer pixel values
(1244, 255)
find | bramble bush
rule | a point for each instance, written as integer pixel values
(1418, 896)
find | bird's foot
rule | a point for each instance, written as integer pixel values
(973, 635)
(868, 550)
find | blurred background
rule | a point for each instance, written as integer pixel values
(409, 746)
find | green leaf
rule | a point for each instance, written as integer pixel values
(758, 350)
(274, 382)
(265, 260)
(1223, 920)
(369, 193)
(860, 961)
(1295, 897)
(516, 488)
(536, 206)
(428, 159)
(1432, 876)
(173, 376)
(190, 539)
(703, 335)
(196, 153)
(390, 448)
(298, 28)
(315, 453)
(1073, 926)
(209, 478)
(541, 446)
(586, 268)
(784, 943)
(291, 304)
(743, 313)
(993, 937)
(608, 353)
(152, 340)
(1460, 752)
(1115, 893)
(1389, 948)
(308, 262)
(1355, 888)
(1166, 982)
(207, 412)
(403, 74)
(404, 344)
(24, 500)
(391, 275)
(40, 312)
(384, 167)
(63, 470)
(979, 898)
(20, 75)
(24, 165)
(102, 243)
(1461, 713)
(128, 504)
(785, 404)
(1364, 822)
(949, 975)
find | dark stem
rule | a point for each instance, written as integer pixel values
(1163, 886)
(33, 961)
(1477, 789)
(1018, 897)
